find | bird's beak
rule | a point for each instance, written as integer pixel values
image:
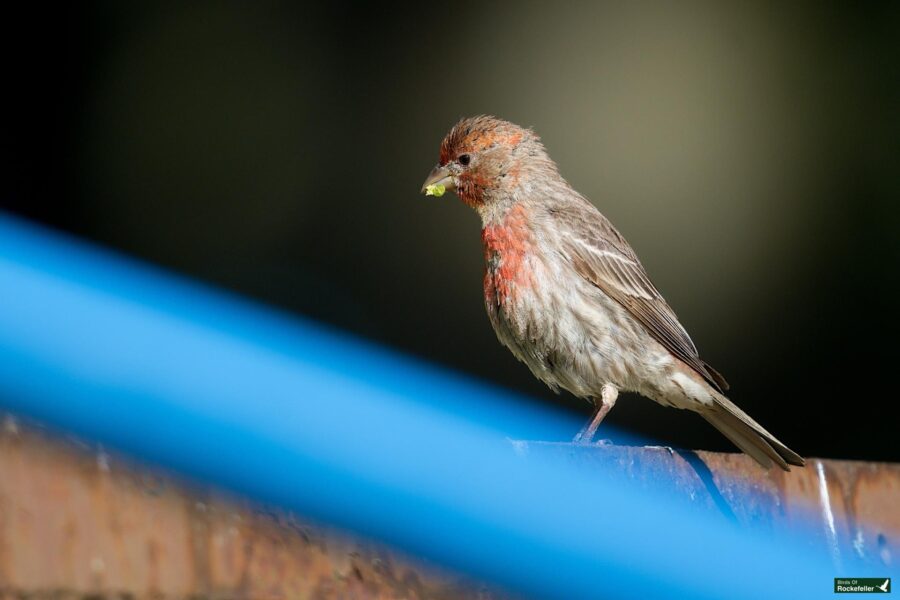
(438, 181)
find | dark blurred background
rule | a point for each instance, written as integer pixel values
(747, 151)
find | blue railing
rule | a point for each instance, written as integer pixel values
(347, 433)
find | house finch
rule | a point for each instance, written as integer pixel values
(567, 294)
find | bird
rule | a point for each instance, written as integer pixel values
(884, 586)
(567, 294)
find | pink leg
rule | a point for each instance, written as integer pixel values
(607, 400)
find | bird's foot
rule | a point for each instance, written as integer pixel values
(587, 439)
(583, 438)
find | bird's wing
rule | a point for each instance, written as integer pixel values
(601, 255)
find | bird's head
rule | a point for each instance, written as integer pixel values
(486, 160)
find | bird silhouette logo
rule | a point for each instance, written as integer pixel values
(885, 587)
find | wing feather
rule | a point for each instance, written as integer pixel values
(601, 255)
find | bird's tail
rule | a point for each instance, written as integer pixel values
(749, 436)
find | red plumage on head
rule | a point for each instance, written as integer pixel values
(494, 142)
(474, 134)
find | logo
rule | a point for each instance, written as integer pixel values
(862, 585)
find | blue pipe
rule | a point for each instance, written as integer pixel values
(346, 433)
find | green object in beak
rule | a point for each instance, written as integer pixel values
(435, 189)
(439, 181)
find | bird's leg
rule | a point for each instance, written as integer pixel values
(607, 400)
(590, 428)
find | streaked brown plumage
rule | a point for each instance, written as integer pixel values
(568, 296)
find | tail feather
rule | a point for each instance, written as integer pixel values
(750, 436)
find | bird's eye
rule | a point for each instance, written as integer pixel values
(464, 159)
